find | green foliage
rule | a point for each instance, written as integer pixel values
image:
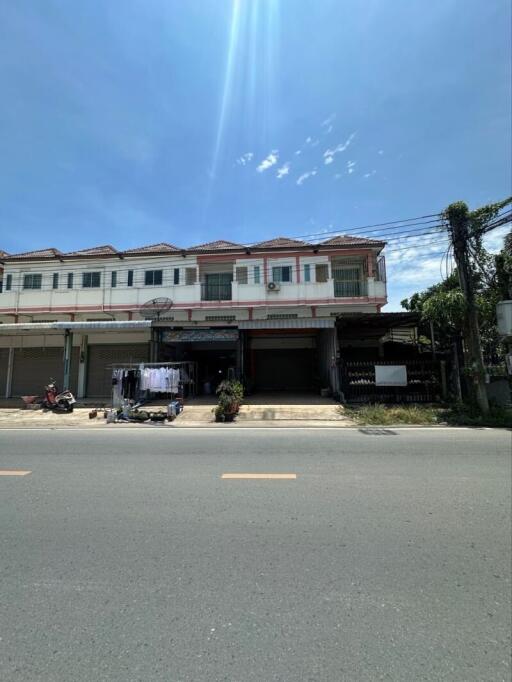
(230, 394)
(444, 304)
(457, 414)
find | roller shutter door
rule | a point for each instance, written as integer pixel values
(34, 367)
(4, 359)
(283, 370)
(99, 376)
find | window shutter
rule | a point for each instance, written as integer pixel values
(241, 274)
(190, 275)
(322, 272)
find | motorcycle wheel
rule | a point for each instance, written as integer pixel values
(70, 408)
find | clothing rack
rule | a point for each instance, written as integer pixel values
(189, 366)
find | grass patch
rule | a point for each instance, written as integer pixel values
(379, 414)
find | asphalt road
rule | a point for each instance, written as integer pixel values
(125, 556)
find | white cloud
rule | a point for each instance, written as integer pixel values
(338, 176)
(369, 175)
(381, 152)
(328, 160)
(330, 119)
(493, 241)
(245, 159)
(299, 151)
(329, 130)
(284, 170)
(350, 166)
(308, 140)
(269, 161)
(339, 148)
(302, 179)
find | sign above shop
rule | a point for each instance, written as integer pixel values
(197, 335)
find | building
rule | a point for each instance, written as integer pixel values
(265, 312)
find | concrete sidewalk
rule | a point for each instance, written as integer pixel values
(194, 415)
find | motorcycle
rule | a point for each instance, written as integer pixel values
(60, 402)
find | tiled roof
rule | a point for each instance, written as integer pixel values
(163, 247)
(3, 254)
(281, 241)
(42, 253)
(219, 245)
(349, 240)
(105, 250)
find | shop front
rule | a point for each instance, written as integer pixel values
(217, 353)
(290, 355)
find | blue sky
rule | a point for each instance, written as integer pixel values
(131, 122)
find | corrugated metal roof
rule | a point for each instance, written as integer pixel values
(14, 327)
(301, 323)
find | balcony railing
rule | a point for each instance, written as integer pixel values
(216, 292)
(350, 289)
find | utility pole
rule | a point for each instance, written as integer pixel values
(458, 218)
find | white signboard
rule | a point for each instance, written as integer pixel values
(390, 375)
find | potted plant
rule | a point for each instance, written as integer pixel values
(230, 396)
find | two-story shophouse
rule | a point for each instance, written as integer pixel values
(265, 312)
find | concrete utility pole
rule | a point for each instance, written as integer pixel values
(458, 217)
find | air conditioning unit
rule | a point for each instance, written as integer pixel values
(273, 286)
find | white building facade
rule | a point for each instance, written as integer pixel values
(265, 312)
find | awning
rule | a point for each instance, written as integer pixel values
(106, 325)
(198, 335)
(294, 323)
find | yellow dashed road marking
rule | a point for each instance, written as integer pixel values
(13, 472)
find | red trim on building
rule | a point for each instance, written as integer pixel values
(250, 313)
(313, 311)
(204, 305)
(189, 314)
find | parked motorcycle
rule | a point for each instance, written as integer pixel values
(60, 402)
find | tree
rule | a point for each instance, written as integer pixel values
(445, 304)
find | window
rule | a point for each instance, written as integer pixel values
(322, 272)
(153, 277)
(113, 279)
(1, 286)
(130, 278)
(32, 281)
(8, 283)
(256, 274)
(90, 280)
(241, 275)
(282, 273)
(307, 272)
(176, 278)
(190, 275)
(70, 280)
(55, 282)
